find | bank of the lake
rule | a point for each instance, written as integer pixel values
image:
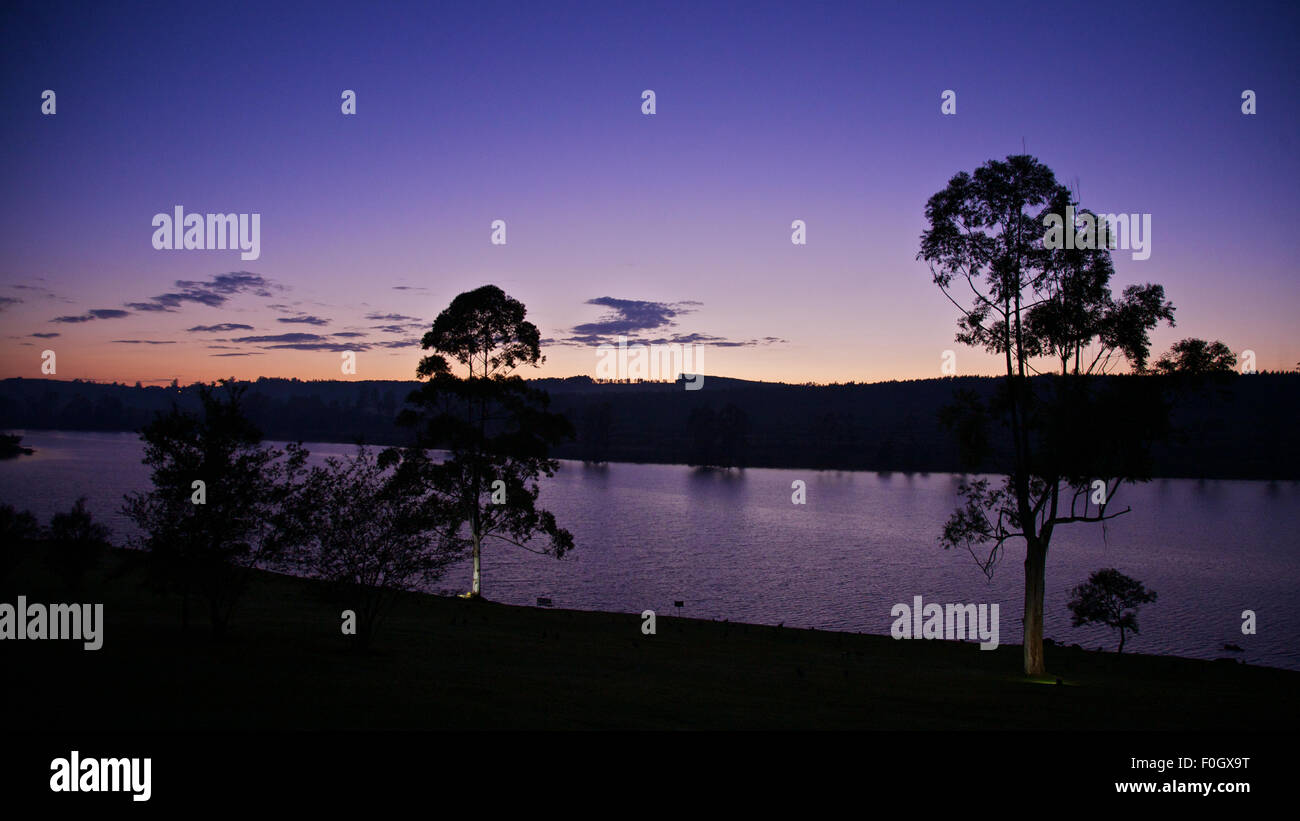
(443, 662)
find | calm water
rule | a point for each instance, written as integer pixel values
(734, 547)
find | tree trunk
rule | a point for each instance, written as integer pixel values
(1121, 640)
(475, 589)
(1035, 572)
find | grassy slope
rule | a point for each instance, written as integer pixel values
(448, 663)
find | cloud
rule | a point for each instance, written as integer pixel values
(303, 320)
(409, 288)
(146, 341)
(97, 313)
(38, 291)
(405, 327)
(45, 336)
(214, 292)
(398, 329)
(322, 346)
(627, 316)
(686, 339)
(295, 337)
(378, 317)
(233, 283)
(241, 353)
(348, 334)
(300, 342)
(223, 327)
(6, 301)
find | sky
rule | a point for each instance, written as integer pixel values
(670, 226)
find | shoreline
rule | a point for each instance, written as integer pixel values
(448, 663)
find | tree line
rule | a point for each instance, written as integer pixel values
(1241, 430)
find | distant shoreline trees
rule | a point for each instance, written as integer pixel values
(888, 426)
(718, 439)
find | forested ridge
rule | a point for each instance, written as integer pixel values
(1243, 427)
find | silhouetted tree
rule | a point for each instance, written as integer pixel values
(498, 429)
(10, 446)
(1110, 598)
(1196, 357)
(702, 430)
(369, 527)
(208, 549)
(1025, 301)
(593, 435)
(75, 545)
(733, 429)
(18, 529)
(718, 439)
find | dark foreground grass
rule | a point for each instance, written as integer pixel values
(447, 663)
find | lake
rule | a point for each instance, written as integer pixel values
(733, 546)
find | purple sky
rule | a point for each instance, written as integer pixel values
(672, 224)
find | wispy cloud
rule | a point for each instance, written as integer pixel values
(97, 313)
(303, 320)
(37, 291)
(222, 328)
(631, 318)
(405, 327)
(214, 292)
(378, 317)
(300, 342)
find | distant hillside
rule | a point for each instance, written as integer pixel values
(1245, 431)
